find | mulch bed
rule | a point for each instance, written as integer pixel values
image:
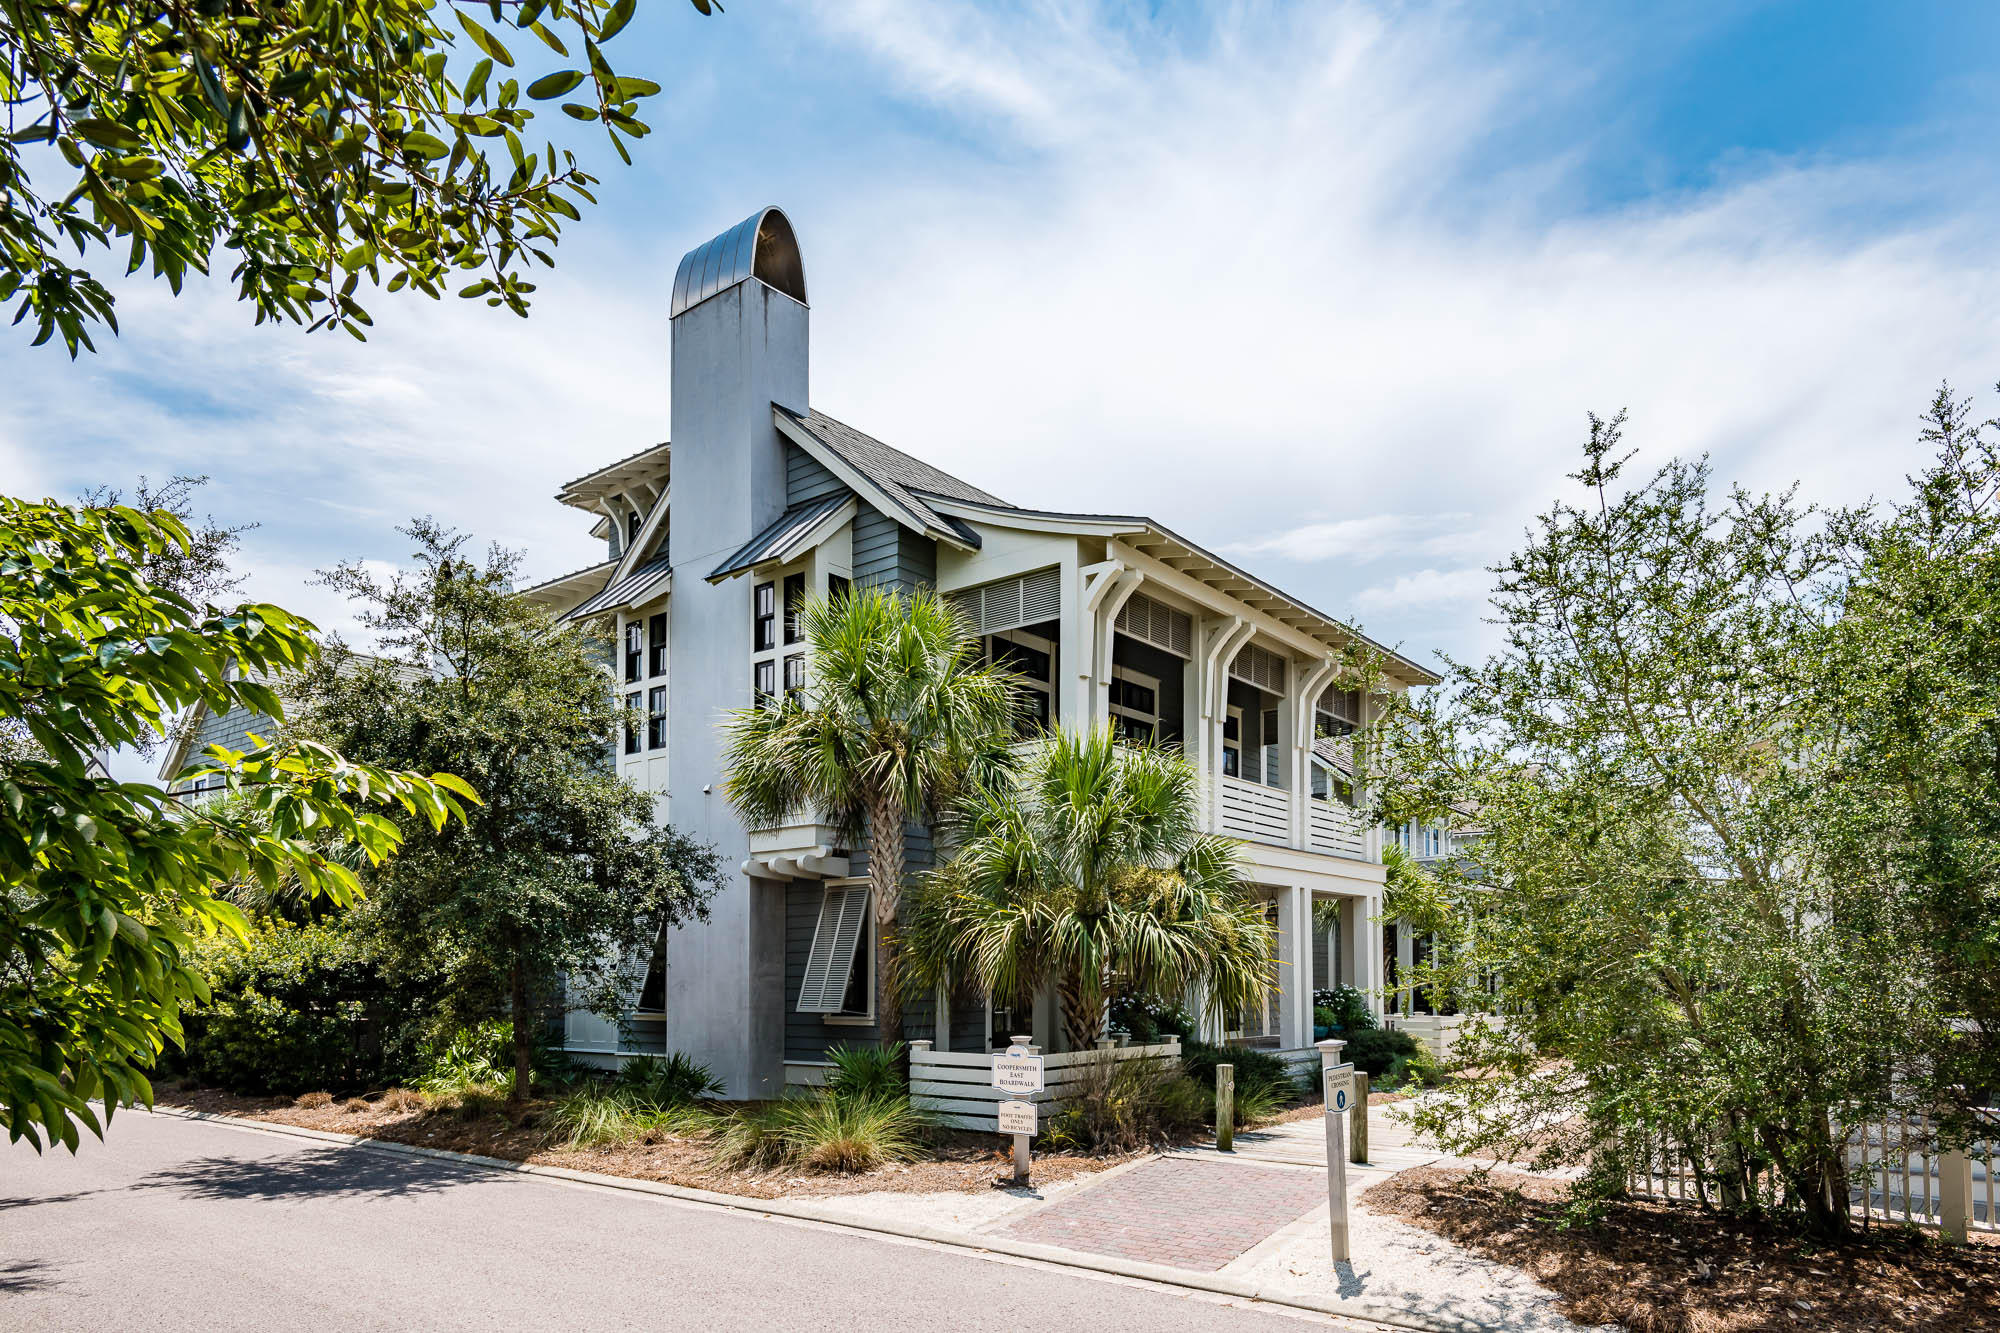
(964, 1162)
(1659, 1267)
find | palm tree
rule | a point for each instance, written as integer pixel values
(1090, 873)
(897, 720)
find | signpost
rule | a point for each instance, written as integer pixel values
(1338, 1080)
(1018, 1071)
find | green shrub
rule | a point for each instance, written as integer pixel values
(482, 1056)
(1349, 1009)
(1418, 1069)
(1149, 1021)
(1376, 1050)
(1263, 1081)
(866, 1072)
(297, 1008)
(676, 1080)
(1124, 1105)
(821, 1131)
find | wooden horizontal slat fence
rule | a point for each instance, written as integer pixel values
(956, 1088)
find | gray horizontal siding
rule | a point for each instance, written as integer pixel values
(889, 555)
(806, 478)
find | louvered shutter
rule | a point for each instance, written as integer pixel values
(1156, 623)
(1260, 667)
(1011, 603)
(830, 962)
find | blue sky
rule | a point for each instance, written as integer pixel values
(1329, 287)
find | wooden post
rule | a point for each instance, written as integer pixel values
(1335, 1080)
(1225, 1108)
(1954, 1196)
(1357, 1119)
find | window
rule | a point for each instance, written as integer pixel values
(837, 587)
(795, 598)
(1268, 738)
(1031, 658)
(633, 521)
(1135, 706)
(635, 648)
(656, 630)
(1433, 840)
(795, 675)
(1337, 713)
(1232, 744)
(837, 982)
(1329, 785)
(764, 618)
(656, 718)
(632, 723)
(764, 680)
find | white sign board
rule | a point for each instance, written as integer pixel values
(1017, 1117)
(1339, 1088)
(1015, 1071)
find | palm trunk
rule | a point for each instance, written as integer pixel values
(524, 1037)
(1083, 1013)
(885, 880)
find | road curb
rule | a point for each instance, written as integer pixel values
(806, 1212)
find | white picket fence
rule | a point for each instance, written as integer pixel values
(1894, 1180)
(957, 1087)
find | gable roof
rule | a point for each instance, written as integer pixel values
(894, 481)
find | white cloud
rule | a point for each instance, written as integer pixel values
(1375, 537)
(1420, 594)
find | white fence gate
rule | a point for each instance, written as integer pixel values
(957, 1088)
(1893, 1179)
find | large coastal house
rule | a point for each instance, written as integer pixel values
(760, 501)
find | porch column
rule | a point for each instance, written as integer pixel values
(1368, 948)
(1294, 965)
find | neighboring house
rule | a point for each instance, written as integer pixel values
(1430, 1018)
(761, 501)
(201, 727)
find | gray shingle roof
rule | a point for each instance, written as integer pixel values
(904, 478)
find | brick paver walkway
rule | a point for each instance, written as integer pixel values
(1189, 1214)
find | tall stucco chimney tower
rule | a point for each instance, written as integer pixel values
(739, 346)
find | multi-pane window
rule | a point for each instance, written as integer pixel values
(765, 680)
(632, 723)
(1032, 660)
(764, 618)
(635, 648)
(795, 600)
(1135, 706)
(795, 675)
(656, 718)
(656, 632)
(836, 587)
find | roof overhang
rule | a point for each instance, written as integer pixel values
(798, 529)
(1170, 558)
(648, 467)
(566, 590)
(648, 582)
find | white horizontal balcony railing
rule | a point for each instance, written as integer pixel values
(1256, 813)
(1335, 829)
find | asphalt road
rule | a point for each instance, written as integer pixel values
(179, 1224)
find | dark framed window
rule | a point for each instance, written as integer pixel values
(795, 600)
(656, 718)
(764, 618)
(633, 522)
(656, 634)
(635, 648)
(632, 723)
(795, 674)
(837, 587)
(765, 680)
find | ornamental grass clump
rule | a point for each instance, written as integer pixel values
(822, 1131)
(1126, 1105)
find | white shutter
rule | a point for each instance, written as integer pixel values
(1260, 667)
(1156, 623)
(830, 962)
(1012, 603)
